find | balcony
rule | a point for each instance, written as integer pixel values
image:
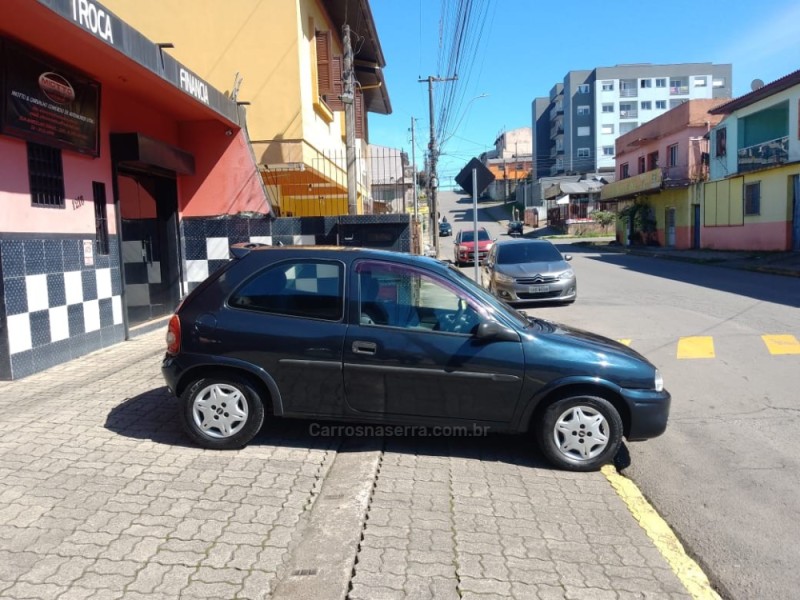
(557, 130)
(678, 90)
(765, 154)
(629, 114)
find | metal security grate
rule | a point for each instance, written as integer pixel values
(46, 174)
(100, 216)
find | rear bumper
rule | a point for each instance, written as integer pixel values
(649, 412)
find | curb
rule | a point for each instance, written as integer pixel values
(685, 568)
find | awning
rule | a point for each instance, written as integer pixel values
(563, 200)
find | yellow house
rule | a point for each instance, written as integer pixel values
(753, 199)
(283, 61)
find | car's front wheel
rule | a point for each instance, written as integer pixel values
(580, 433)
(222, 413)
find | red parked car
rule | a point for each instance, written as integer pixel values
(464, 251)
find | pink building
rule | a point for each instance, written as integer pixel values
(658, 166)
(120, 170)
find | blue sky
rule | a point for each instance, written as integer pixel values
(528, 45)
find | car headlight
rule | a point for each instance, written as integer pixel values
(489, 247)
(659, 382)
(503, 278)
(568, 274)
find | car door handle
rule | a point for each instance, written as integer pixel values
(365, 347)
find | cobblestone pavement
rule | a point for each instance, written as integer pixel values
(485, 519)
(103, 497)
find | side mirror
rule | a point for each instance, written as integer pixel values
(492, 330)
(568, 257)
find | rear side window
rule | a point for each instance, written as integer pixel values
(311, 289)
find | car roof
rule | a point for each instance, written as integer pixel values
(243, 249)
(524, 241)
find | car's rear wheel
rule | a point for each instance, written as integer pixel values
(580, 433)
(222, 413)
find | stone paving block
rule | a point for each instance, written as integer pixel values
(34, 591)
(148, 578)
(256, 586)
(369, 592)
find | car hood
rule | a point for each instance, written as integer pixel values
(530, 269)
(579, 352)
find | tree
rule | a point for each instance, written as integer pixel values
(604, 218)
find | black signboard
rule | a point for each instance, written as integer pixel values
(47, 102)
(464, 178)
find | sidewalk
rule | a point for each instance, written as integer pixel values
(103, 497)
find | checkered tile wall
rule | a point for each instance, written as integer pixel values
(57, 308)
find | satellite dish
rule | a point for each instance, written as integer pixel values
(756, 84)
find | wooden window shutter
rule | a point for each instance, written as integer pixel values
(324, 63)
(337, 85)
(361, 129)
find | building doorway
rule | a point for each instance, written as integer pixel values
(148, 208)
(670, 229)
(796, 213)
(696, 228)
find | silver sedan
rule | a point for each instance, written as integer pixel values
(525, 270)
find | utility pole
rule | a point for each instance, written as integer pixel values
(434, 156)
(414, 166)
(348, 98)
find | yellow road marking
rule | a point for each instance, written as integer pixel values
(781, 344)
(687, 570)
(700, 346)
(625, 341)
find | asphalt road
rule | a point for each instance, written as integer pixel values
(726, 474)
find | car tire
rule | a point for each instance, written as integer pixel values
(580, 433)
(222, 413)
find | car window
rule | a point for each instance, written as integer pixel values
(305, 288)
(396, 295)
(512, 254)
(468, 236)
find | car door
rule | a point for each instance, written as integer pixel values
(486, 268)
(424, 361)
(288, 319)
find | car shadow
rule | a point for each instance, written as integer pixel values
(155, 416)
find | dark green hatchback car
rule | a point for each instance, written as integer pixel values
(368, 336)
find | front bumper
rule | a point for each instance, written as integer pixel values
(649, 412)
(553, 291)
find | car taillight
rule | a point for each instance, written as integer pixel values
(174, 335)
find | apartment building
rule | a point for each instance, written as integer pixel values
(510, 162)
(576, 126)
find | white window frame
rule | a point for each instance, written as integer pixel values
(608, 107)
(583, 88)
(583, 153)
(608, 150)
(645, 83)
(584, 131)
(608, 86)
(607, 129)
(661, 82)
(646, 105)
(661, 104)
(584, 110)
(672, 155)
(700, 81)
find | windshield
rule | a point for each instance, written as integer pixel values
(496, 307)
(513, 254)
(468, 236)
